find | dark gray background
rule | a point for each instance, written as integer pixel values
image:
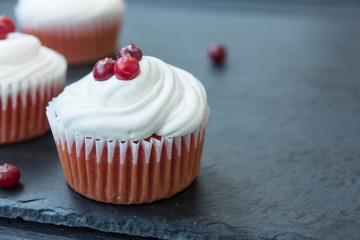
(281, 158)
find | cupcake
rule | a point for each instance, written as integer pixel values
(82, 30)
(131, 131)
(30, 76)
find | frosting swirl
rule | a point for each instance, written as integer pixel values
(23, 57)
(50, 12)
(17, 48)
(162, 99)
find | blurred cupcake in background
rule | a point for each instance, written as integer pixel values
(82, 30)
(30, 76)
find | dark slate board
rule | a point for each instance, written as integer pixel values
(281, 159)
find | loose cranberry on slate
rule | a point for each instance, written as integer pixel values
(9, 175)
(217, 53)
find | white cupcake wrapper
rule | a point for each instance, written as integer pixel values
(45, 86)
(66, 139)
(127, 172)
(23, 118)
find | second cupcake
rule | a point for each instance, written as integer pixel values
(30, 76)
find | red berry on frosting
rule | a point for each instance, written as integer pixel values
(3, 31)
(9, 23)
(154, 135)
(9, 175)
(131, 49)
(104, 69)
(126, 67)
(217, 53)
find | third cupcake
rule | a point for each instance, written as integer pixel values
(82, 30)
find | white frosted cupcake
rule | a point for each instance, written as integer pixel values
(30, 76)
(131, 142)
(82, 30)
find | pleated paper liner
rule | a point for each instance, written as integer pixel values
(80, 44)
(128, 172)
(23, 106)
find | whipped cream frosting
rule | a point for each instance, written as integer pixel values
(50, 12)
(162, 99)
(25, 64)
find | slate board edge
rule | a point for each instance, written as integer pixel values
(136, 226)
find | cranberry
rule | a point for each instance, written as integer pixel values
(126, 67)
(3, 31)
(217, 53)
(132, 49)
(154, 135)
(9, 175)
(104, 69)
(10, 26)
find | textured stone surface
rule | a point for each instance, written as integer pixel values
(281, 159)
(15, 229)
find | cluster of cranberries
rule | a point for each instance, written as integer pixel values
(126, 67)
(6, 26)
(9, 175)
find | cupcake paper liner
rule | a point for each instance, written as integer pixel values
(82, 43)
(23, 105)
(127, 172)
